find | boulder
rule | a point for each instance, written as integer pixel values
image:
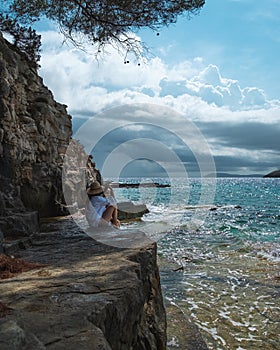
(130, 210)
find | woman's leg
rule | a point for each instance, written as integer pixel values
(115, 220)
(111, 214)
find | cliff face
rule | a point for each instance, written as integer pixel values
(34, 133)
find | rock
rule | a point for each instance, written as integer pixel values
(129, 210)
(181, 330)
(2, 204)
(89, 296)
(275, 173)
(213, 209)
(137, 185)
(20, 224)
(14, 337)
(15, 219)
(35, 131)
(1, 242)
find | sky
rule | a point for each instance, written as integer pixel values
(218, 72)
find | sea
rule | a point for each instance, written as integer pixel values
(219, 257)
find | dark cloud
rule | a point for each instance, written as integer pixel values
(121, 135)
(248, 136)
(237, 163)
(225, 163)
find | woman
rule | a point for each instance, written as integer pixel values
(99, 210)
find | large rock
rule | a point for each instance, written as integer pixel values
(129, 210)
(34, 134)
(89, 296)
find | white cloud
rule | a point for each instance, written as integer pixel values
(85, 84)
(199, 92)
(210, 76)
(222, 92)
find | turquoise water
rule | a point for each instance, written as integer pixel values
(220, 257)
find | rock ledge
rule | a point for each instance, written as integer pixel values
(89, 296)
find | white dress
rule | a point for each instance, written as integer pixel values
(95, 207)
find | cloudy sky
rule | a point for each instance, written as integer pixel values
(218, 72)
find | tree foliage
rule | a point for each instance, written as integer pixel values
(103, 21)
(24, 38)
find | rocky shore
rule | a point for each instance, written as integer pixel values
(80, 292)
(87, 296)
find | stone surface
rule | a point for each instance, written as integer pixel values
(89, 296)
(1, 242)
(20, 224)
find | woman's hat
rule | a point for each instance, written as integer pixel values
(95, 188)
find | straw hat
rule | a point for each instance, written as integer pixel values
(95, 189)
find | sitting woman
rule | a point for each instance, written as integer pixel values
(99, 210)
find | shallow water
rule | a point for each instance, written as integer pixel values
(232, 294)
(228, 252)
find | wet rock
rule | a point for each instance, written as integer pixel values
(213, 209)
(129, 210)
(183, 333)
(138, 185)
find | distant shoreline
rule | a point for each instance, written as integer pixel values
(138, 184)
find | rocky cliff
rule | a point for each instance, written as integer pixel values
(34, 134)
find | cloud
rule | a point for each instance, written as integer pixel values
(79, 71)
(252, 136)
(213, 89)
(88, 86)
(231, 117)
